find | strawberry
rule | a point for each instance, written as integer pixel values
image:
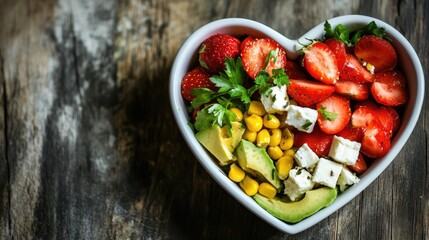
(386, 119)
(360, 165)
(318, 141)
(376, 51)
(352, 133)
(215, 49)
(295, 71)
(354, 71)
(352, 90)
(334, 113)
(255, 53)
(375, 142)
(339, 49)
(389, 88)
(395, 117)
(196, 78)
(321, 63)
(307, 92)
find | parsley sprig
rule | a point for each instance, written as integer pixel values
(330, 116)
(350, 38)
(232, 92)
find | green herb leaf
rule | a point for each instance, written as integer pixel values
(328, 115)
(340, 32)
(306, 125)
(203, 96)
(272, 55)
(280, 77)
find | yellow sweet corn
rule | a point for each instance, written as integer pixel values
(286, 143)
(256, 107)
(284, 165)
(249, 185)
(267, 190)
(271, 121)
(275, 152)
(275, 137)
(289, 152)
(253, 122)
(263, 138)
(249, 135)
(238, 114)
(236, 174)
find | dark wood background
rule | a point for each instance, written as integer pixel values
(89, 148)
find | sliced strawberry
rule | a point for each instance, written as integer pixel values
(215, 49)
(377, 52)
(352, 90)
(254, 52)
(395, 117)
(321, 63)
(196, 78)
(307, 92)
(352, 133)
(334, 113)
(364, 113)
(295, 71)
(360, 165)
(386, 119)
(375, 142)
(354, 71)
(389, 88)
(318, 141)
(339, 49)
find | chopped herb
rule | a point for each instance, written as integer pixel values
(299, 171)
(350, 38)
(332, 173)
(306, 125)
(328, 115)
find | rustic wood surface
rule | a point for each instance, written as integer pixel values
(89, 148)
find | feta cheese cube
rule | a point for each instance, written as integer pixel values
(327, 172)
(301, 118)
(346, 179)
(298, 182)
(305, 157)
(277, 100)
(344, 151)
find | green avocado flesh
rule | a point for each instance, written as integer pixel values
(293, 212)
(256, 161)
(218, 142)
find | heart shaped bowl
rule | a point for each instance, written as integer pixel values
(187, 57)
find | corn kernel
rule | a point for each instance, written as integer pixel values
(286, 143)
(249, 135)
(267, 190)
(238, 114)
(275, 137)
(275, 152)
(236, 174)
(263, 138)
(284, 165)
(271, 121)
(249, 185)
(253, 122)
(287, 133)
(257, 108)
(289, 152)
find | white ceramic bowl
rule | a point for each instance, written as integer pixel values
(187, 57)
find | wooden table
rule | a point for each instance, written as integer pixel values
(89, 148)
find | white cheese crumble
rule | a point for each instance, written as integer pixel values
(276, 101)
(344, 151)
(301, 118)
(327, 172)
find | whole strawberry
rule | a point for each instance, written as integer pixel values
(215, 49)
(196, 78)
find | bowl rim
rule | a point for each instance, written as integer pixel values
(187, 51)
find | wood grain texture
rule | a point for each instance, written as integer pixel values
(89, 148)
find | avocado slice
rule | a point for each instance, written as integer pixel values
(218, 142)
(255, 160)
(293, 212)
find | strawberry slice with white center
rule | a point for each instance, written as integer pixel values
(352, 90)
(375, 142)
(334, 114)
(307, 92)
(255, 55)
(389, 88)
(376, 51)
(321, 63)
(354, 71)
(339, 49)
